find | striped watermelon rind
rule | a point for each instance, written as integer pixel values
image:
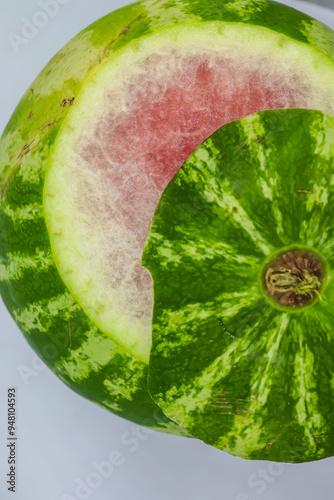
(51, 320)
(228, 364)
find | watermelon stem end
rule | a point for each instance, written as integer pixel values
(294, 278)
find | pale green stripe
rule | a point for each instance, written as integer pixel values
(324, 316)
(40, 315)
(31, 169)
(17, 264)
(248, 429)
(305, 391)
(126, 387)
(263, 380)
(169, 253)
(96, 352)
(323, 143)
(161, 14)
(200, 394)
(246, 11)
(268, 178)
(311, 229)
(323, 137)
(221, 195)
(199, 313)
(26, 212)
(92, 354)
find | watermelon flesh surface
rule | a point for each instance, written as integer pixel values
(167, 119)
(164, 123)
(123, 152)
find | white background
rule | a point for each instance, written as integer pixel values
(61, 435)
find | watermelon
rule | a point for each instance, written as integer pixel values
(91, 147)
(241, 254)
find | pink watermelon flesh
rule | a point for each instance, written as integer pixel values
(164, 123)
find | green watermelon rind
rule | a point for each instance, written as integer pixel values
(227, 363)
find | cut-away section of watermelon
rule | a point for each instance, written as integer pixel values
(135, 122)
